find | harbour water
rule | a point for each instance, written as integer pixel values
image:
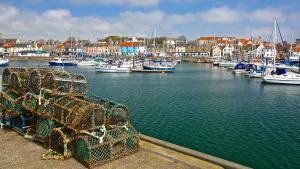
(210, 110)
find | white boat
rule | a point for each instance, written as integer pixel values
(254, 70)
(286, 78)
(255, 74)
(227, 64)
(62, 62)
(87, 63)
(112, 68)
(281, 74)
(3, 61)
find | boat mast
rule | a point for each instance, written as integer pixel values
(274, 41)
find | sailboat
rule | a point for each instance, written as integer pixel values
(280, 75)
(158, 67)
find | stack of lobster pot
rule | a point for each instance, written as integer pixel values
(14, 86)
(52, 106)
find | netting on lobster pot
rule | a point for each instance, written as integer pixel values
(61, 142)
(18, 82)
(36, 78)
(6, 75)
(116, 114)
(31, 102)
(78, 114)
(98, 148)
(79, 86)
(43, 127)
(58, 82)
(8, 100)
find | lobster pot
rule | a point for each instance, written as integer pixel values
(6, 75)
(78, 114)
(31, 102)
(61, 142)
(36, 78)
(43, 127)
(116, 114)
(62, 83)
(118, 142)
(8, 101)
(79, 86)
(18, 82)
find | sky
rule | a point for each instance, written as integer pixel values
(95, 19)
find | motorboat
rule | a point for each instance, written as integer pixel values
(62, 62)
(239, 68)
(227, 64)
(281, 76)
(113, 68)
(161, 66)
(3, 61)
(87, 63)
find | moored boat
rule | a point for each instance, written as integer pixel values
(239, 69)
(280, 76)
(159, 66)
(62, 62)
(3, 61)
(88, 63)
(112, 68)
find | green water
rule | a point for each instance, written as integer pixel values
(210, 110)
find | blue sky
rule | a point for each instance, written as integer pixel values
(58, 19)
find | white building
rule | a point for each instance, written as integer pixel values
(260, 51)
(228, 50)
(269, 52)
(180, 50)
(17, 48)
(295, 54)
(141, 49)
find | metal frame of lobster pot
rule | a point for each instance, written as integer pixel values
(61, 142)
(62, 83)
(19, 118)
(116, 114)
(7, 72)
(36, 77)
(98, 148)
(77, 114)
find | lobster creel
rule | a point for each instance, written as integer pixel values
(91, 150)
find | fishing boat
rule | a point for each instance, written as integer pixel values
(113, 68)
(3, 61)
(239, 68)
(87, 63)
(162, 66)
(62, 62)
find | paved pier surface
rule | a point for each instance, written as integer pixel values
(16, 152)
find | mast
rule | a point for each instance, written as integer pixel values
(274, 41)
(251, 53)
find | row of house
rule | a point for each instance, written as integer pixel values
(210, 46)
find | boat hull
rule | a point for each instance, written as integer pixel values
(4, 64)
(107, 70)
(61, 64)
(281, 80)
(159, 68)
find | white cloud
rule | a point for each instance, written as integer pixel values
(221, 15)
(132, 3)
(60, 23)
(7, 12)
(266, 15)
